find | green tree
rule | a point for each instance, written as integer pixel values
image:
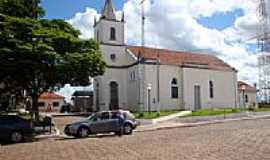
(22, 8)
(40, 55)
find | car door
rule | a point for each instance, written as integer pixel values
(100, 124)
(105, 122)
(2, 127)
(5, 126)
(95, 125)
(114, 123)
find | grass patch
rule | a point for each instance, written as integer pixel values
(153, 115)
(214, 112)
(262, 110)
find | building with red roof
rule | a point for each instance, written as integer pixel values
(50, 102)
(247, 94)
(142, 78)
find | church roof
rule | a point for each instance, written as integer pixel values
(184, 59)
(108, 11)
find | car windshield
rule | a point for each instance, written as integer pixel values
(92, 118)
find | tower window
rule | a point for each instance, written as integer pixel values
(174, 88)
(113, 36)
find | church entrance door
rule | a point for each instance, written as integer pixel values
(114, 98)
(197, 97)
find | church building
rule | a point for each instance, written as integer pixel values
(142, 78)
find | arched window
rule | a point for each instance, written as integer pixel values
(211, 89)
(113, 36)
(174, 88)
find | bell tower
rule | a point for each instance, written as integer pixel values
(109, 30)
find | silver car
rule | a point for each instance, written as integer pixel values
(119, 122)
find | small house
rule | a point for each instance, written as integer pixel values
(50, 102)
(82, 101)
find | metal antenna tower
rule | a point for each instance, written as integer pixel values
(263, 40)
(264, 29)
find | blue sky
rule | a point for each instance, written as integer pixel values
(221, 20)
(66, 9)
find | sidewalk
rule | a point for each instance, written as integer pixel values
(163, 119)
(199, 121)
(56, 114)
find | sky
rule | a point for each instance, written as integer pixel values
(219, 27)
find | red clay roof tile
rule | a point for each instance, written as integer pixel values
(185, 59)
(248, 87)
(48, 95)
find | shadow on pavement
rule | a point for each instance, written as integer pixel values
(6, 142)
(66, 138)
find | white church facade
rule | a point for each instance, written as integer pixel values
(140, 78)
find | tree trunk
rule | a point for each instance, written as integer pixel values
(35, 110)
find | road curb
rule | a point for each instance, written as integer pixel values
(182, 125)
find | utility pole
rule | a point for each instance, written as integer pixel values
(158, 83)
(140, 65)
(143, 24)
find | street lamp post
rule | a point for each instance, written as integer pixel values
(149, 88)
(243, 88)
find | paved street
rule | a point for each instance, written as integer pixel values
(239, 140)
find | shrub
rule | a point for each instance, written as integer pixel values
(264, 105)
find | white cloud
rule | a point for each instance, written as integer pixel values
(84, 22)
(172, 24)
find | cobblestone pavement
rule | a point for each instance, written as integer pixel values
(239, 140)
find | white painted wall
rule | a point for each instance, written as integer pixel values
(120, 53)
(50, 101)
(167, 73)
(225, 91)
(252, 98)
(104, 27)
(119, 76)
(133, 88)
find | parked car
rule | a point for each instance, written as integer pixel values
(119, 122)
(14, 128)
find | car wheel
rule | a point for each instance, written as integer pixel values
(83, 132)
(16, 137)
(127, 129)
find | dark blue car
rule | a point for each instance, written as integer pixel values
(14, 128)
